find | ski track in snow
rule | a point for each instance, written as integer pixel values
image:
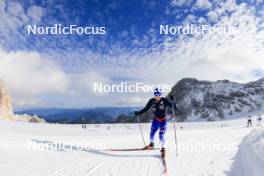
(77, 169)
(17, 160)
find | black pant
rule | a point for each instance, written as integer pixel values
(249, 122)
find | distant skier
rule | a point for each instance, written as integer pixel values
(249, 122)
(158, 106)
(259, 120)
(84, 126)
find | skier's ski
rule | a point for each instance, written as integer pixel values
(164, 166)
(134, 149)
(163, 160)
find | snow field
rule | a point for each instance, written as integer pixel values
(206, 148)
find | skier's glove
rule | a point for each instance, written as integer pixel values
(137, 113)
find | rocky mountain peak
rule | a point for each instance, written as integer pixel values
(223, 99)
(6, 109)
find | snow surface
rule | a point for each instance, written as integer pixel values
(205, 148)
(249, 159)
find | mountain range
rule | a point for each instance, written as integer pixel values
(79, 116)
(220, 100)
(196, 101)
(212, 100)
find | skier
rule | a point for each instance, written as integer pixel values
(249, 122)
(158, 106)
(259, 120)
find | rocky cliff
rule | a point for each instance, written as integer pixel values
(209, 101)
(6, 109)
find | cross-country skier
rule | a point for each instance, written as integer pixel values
(158, 106)
(249, 121)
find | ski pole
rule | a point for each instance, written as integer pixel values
(174, 125)
(175, 134)
(141, 131)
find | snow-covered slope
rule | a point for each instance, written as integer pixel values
(249, 159)
(206, 148)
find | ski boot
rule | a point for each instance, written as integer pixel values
(150, 146)
(162, 152)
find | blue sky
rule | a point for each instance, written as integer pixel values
(58, 70)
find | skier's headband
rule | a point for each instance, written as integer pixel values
(157, 93)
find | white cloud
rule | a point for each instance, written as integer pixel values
(180, 3)
(190, 19)
(83, 83)
(15, 9)
(36, 13)
(236, 62)
(212, 16)
(11, 18)
(213, 57)
(202, 4)
(13, 21)
(28, 75)
(35, 80)
(202, 20)
(207, 57)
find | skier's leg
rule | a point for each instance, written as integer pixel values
(163, 127)
(154, 128)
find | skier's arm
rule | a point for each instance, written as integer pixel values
(146, 108)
